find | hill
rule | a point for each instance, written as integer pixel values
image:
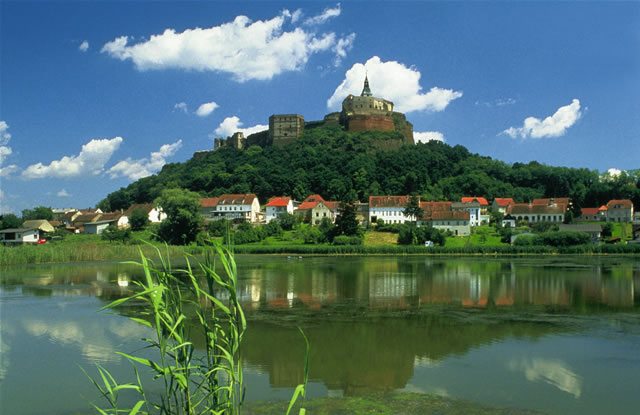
(333, 162)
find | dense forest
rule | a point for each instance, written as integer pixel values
(335, 163)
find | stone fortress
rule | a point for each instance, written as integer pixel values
(359, 113)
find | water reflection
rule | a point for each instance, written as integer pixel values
(553, 372)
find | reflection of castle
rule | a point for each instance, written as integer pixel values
(359, 113)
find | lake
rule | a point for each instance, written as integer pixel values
(556, 334)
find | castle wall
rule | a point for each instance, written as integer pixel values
(359, 123)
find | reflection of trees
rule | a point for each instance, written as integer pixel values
(370, 356)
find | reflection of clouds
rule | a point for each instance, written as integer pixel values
(429, 390)
(426, 362)
(554, 372)
(64, 333)
(128, 329)
(98, 353)
(4, 358)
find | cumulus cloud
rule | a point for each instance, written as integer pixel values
(394, 81)
(90, 161)
(326, 14)
(63, 193)
(231, 125)
(8, 170)
(137, 169)
(554, 125)
(181, 106)
(5, 150)
(428, 136)
(243, 48)
(206, 109)
(84, 46)
(500, 102)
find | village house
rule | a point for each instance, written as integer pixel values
(620, 211)
(277, 206)
(19, 236)
(388, 208)
(441, 216)
(314, 208)
(155, 214)
(502, 204)
(231, 206)
(44, 226)
(594, 230)
(477, 208)
(538, 213)
(593, 214)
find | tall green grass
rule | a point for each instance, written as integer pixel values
(212, 383)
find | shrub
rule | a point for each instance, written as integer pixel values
(347, 240)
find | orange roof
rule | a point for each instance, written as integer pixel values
(480, 200)
(552, 200)
(504, 201)
(435, 206)
(388, 201)
(590, 211)
(208, 202)
(446, 215)
(279, 201)
(625, 204)
(331, 205)
(307, 205)
(603, 207)
(313, 198)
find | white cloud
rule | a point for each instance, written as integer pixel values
(137, 169)
(500, 102)
(245, 49)
(63, 193)
(84, 46)
(206, 109)
(90, 161)
(181, 106)
(5, 150)
(553, 126)
(341, 48)
(8, 170)
(326, 14)
(231, 125)
(394, 81)
(428, 136)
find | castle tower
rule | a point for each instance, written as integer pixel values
(366, 91)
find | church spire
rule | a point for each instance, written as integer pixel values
(366, 91)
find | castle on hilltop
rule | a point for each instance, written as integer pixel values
(359, 113)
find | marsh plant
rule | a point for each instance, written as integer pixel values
(193, 383)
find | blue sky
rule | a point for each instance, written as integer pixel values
(94, 95)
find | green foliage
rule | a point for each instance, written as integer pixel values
(39, 212)
(347, 240)
(413, 209)
(346, 221)
(212, 383)
(219, 227)
(113, 234)
(288, 221)
(559, 239)
(183, 216)
(412, 235)
(9, 220)
(139, 219)
(607, 230)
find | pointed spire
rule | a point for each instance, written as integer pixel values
(366, 91)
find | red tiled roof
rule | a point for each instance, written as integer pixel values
(590, 211)
(307, 205)
(388, 201)
(314, 198)
(446, 215)
(480, 200)
(279, 201)
(603, 207)
(236, 199)
(625, 204)
(526, 209)
(435, 206)
(209, 202)
(333, 205)
(504, 201)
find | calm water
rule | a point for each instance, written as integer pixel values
(560, 335)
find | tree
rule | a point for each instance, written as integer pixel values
(288, 220)
(412, 209)
(183, 216)
(346, 221)
(113, 234)
(139, 219)
(10, 221)
(39, 212)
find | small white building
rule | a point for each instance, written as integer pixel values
(277, 206)
(97, 227)
(19, 236)
(477, 208)
(388, 208)
(155, 214)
